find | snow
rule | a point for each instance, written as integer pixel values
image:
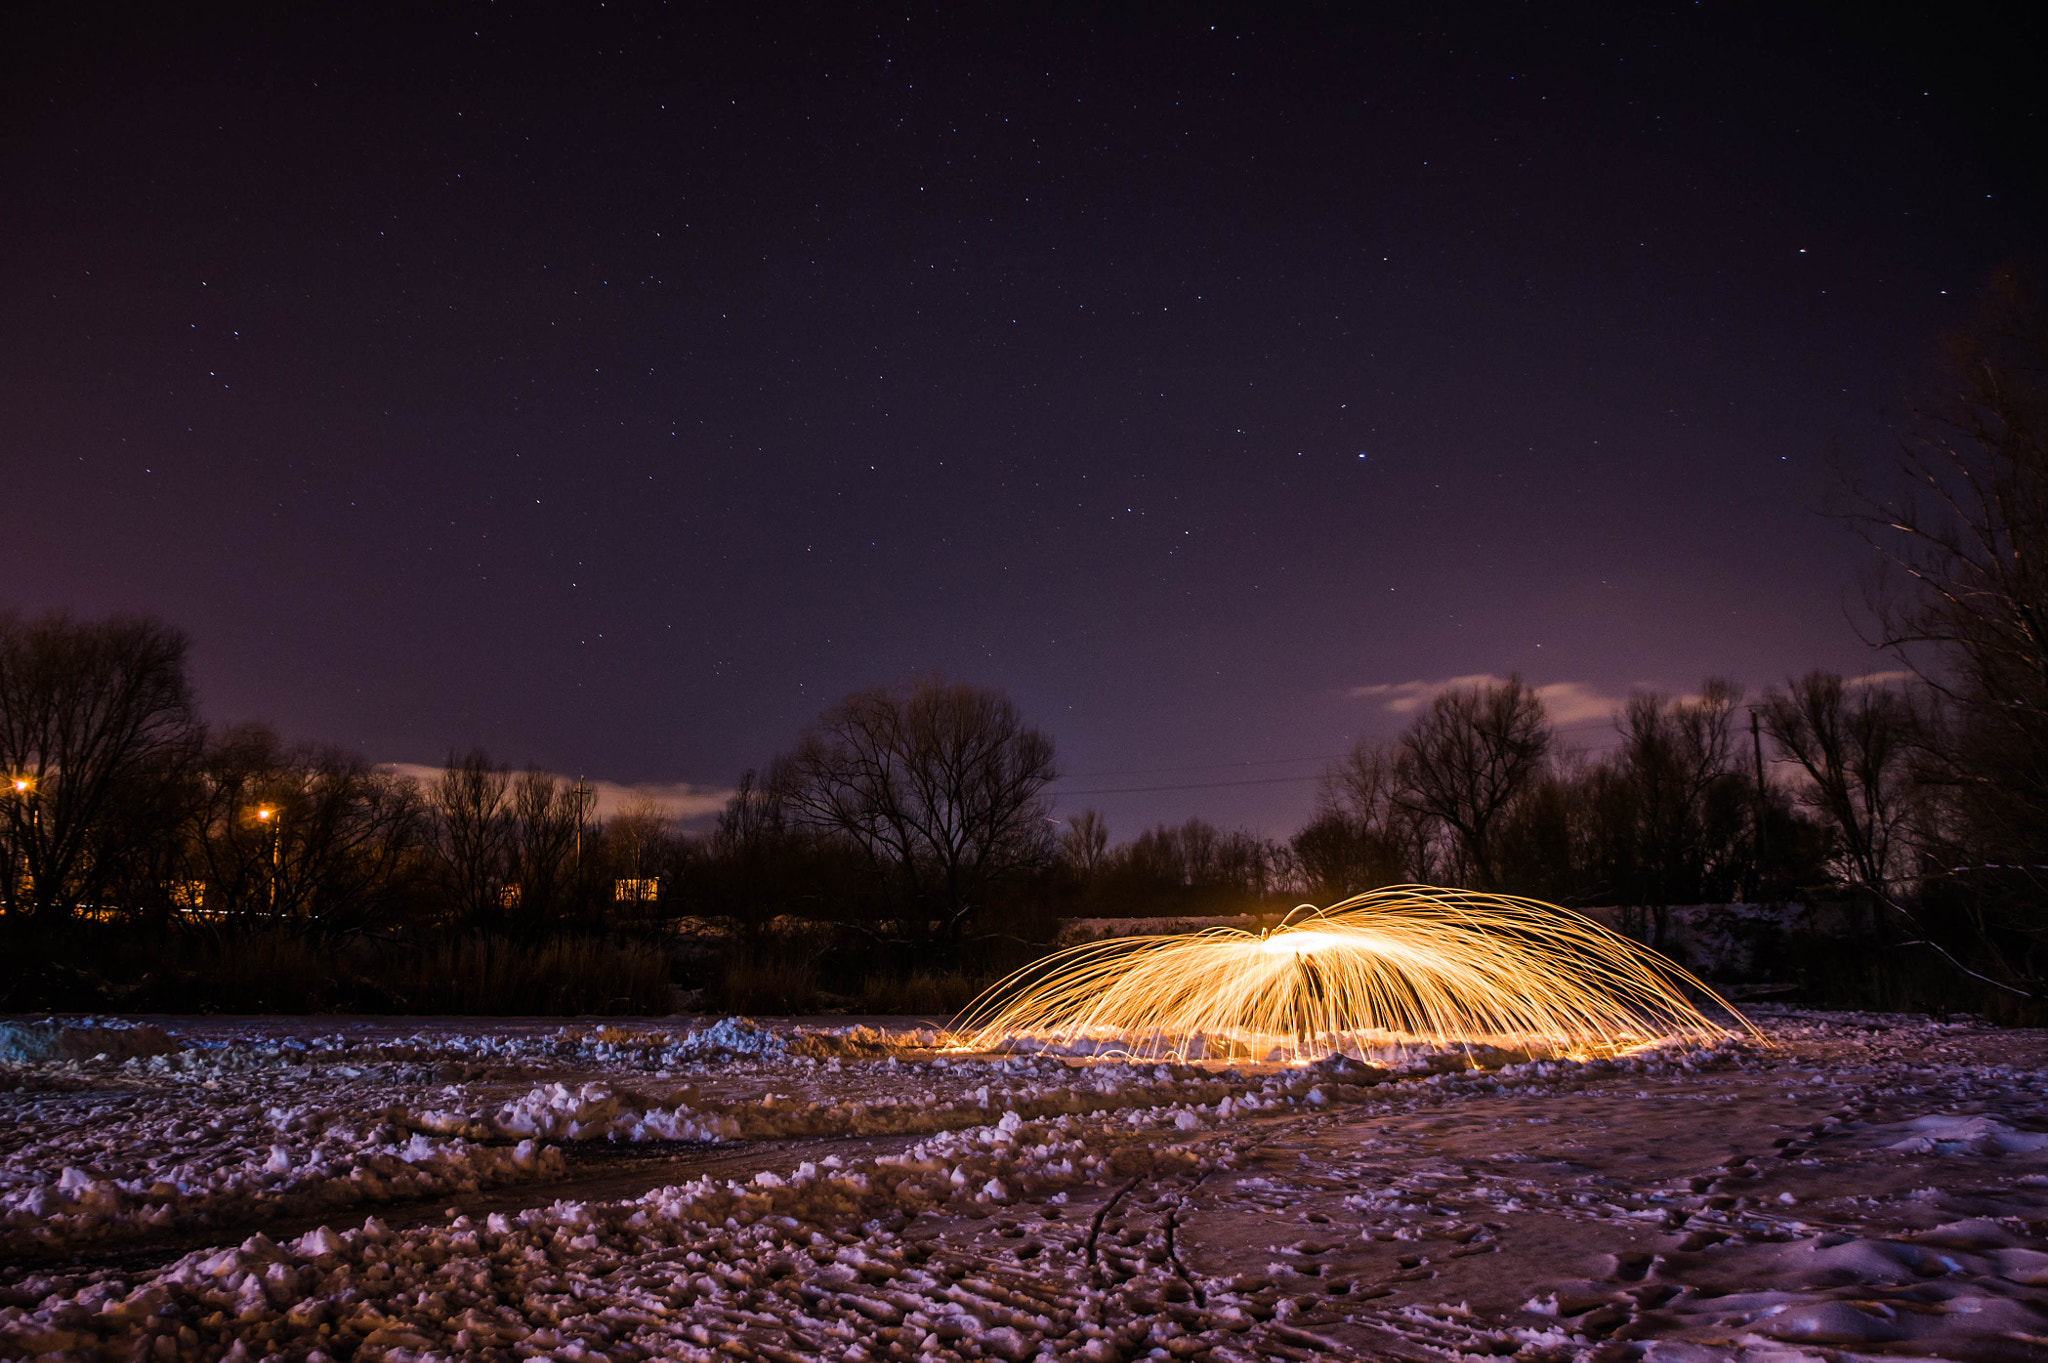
(334, 1190)
(1954, 1135)
(40, 1039)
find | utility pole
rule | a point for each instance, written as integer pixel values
(1763, 845)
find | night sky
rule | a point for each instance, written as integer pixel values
(614, 386)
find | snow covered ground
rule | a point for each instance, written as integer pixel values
(1864, 1187)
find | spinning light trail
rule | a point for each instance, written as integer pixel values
(1410, 964)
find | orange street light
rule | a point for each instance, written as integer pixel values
(25, 794)
(267, 816)
(25, 791)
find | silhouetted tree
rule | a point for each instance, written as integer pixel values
(940, 788)
(548, 817)
(98, 739)
(1084, 847)
(1198, 858)
(1686, 794)
(641, 850)
(341, 841)
(1464, 760)
(1363, 835)
(473, 835)
(1544, 840)
(1969, 537)
(757, 862)
(1964, 601)
(1856, 747)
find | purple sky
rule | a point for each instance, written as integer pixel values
(615, 391)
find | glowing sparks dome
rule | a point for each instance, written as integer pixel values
(1410, 964)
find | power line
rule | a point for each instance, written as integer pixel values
(1203, 766)
(1199, 785)
(1255, 781)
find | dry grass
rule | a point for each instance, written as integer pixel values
(756, 984)
(919, 993)
(279, 971)
(564, 977)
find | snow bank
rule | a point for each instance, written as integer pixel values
(1032, 1207)
(324, 1164)
(59, 1039)
(800, 1262)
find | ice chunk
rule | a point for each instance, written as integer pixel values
(317, 1242)
(1971, 1135)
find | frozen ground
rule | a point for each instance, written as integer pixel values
(1867, 1187)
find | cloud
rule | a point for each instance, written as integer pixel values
(1565, 702)
(1406, 697)
(682, 800)
(1571, 702)
(1881, 678)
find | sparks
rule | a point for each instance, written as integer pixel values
(1410, 964)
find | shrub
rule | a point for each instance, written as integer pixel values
(920, 993)
(752, 983)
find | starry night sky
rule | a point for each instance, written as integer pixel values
(614, 386)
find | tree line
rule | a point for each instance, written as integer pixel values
(919, 817)
(119, 803)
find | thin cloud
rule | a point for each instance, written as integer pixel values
(1882, 678)
(1565, 702)
(680, 800)
(1572, 702)
(1406, 697)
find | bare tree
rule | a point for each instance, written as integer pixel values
(640, 837)
(752, 815)
(1200, 857)
(1466, 757)
(546, 833)
(305, 831)
(471, 810)
(1966, 601)
(1856, 747)
(1963, 600)
(759, 865)
(1673, 753)
(98, 735)
(1362, 835)
(939, 785)
(1543, 842)
(1084, 847)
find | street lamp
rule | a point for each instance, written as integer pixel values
(270, 818)
(25, 793)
